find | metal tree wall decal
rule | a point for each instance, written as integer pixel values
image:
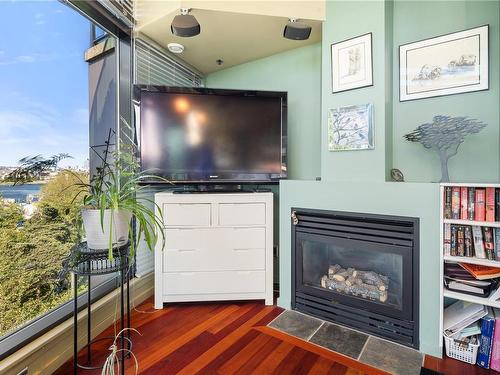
(444, 135)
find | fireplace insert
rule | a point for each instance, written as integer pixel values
(358, 270)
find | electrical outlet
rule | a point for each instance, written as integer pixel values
(23, 372)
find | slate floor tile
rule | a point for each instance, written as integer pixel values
(339, 339)
(296, 324)
(390, 357)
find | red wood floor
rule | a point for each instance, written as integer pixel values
(221, 338)
(453, 367)
(232, 338)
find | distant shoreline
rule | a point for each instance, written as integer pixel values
(26, 183)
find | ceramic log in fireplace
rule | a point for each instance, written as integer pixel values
(358, 270)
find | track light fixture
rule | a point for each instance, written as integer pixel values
(295, 30)
(184, 24)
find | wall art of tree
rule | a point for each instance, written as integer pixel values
(349, 128)
(444, 135)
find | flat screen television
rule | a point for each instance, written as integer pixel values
(200, 135)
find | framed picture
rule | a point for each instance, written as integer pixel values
(350, 128)
(449, 64)
(352, 63)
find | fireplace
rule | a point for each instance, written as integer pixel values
(358, 270)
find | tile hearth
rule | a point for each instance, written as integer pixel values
(388, 356)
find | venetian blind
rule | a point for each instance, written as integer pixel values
(154, 67)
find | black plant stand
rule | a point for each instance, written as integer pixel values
(89, 262)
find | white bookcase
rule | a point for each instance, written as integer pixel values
(457, 259)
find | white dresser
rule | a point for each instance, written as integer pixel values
(218, 247)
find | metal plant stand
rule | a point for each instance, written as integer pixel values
(89, 262)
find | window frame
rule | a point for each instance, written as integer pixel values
(114, 25)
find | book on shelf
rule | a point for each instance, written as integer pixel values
(497, 204)
(447, 238)
(455, 203)
(460, 315)
(468, 288)
(471, 241)
(447, 202)
(453, 241)
(460, 280)
(477, 235)
(485, 342)
(471, 330)
(470, 203)
(464, 195)
(495, 348)
(481, 272)
(461, 241)
(496, 240)
(488, 243)
(495, 295)
(468, 244)
(479, 204)
(490, 204)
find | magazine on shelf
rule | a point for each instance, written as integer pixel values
(460, 315)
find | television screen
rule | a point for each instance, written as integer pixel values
(213, 135)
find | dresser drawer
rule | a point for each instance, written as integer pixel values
(215, 238)
(218, 249)
(214, 282)
(242, 214)
(187, 214)
(221, 260)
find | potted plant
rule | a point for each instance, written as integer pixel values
(113, 196)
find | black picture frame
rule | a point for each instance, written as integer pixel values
(370, 65)
(486, 83)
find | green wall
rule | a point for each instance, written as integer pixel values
(298, 72)
(478, 157)
(344, 20)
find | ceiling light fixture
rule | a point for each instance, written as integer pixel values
(175, 48)
(295, 30)
(184, 24)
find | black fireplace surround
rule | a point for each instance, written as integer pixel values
(358, 270)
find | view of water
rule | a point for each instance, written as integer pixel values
(19, 192)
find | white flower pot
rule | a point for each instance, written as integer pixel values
(97, 236)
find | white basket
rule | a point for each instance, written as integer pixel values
(457, 350)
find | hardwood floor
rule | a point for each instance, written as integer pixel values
(453, 367)
(221, 338)
(233, 338)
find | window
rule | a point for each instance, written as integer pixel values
(44, 112)
(154, 67)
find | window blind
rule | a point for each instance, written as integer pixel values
(154, 67)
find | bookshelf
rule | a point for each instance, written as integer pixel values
(471, 298)
(472, 260)
(492, 224)
(447, 258)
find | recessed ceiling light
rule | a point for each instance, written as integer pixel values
(295, 30)
(175, 47)
(185, 25)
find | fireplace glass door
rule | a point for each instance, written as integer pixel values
(368, 274)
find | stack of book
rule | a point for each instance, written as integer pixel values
(469, 203)
(474, 323)
(472, 279)
(472, 241)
